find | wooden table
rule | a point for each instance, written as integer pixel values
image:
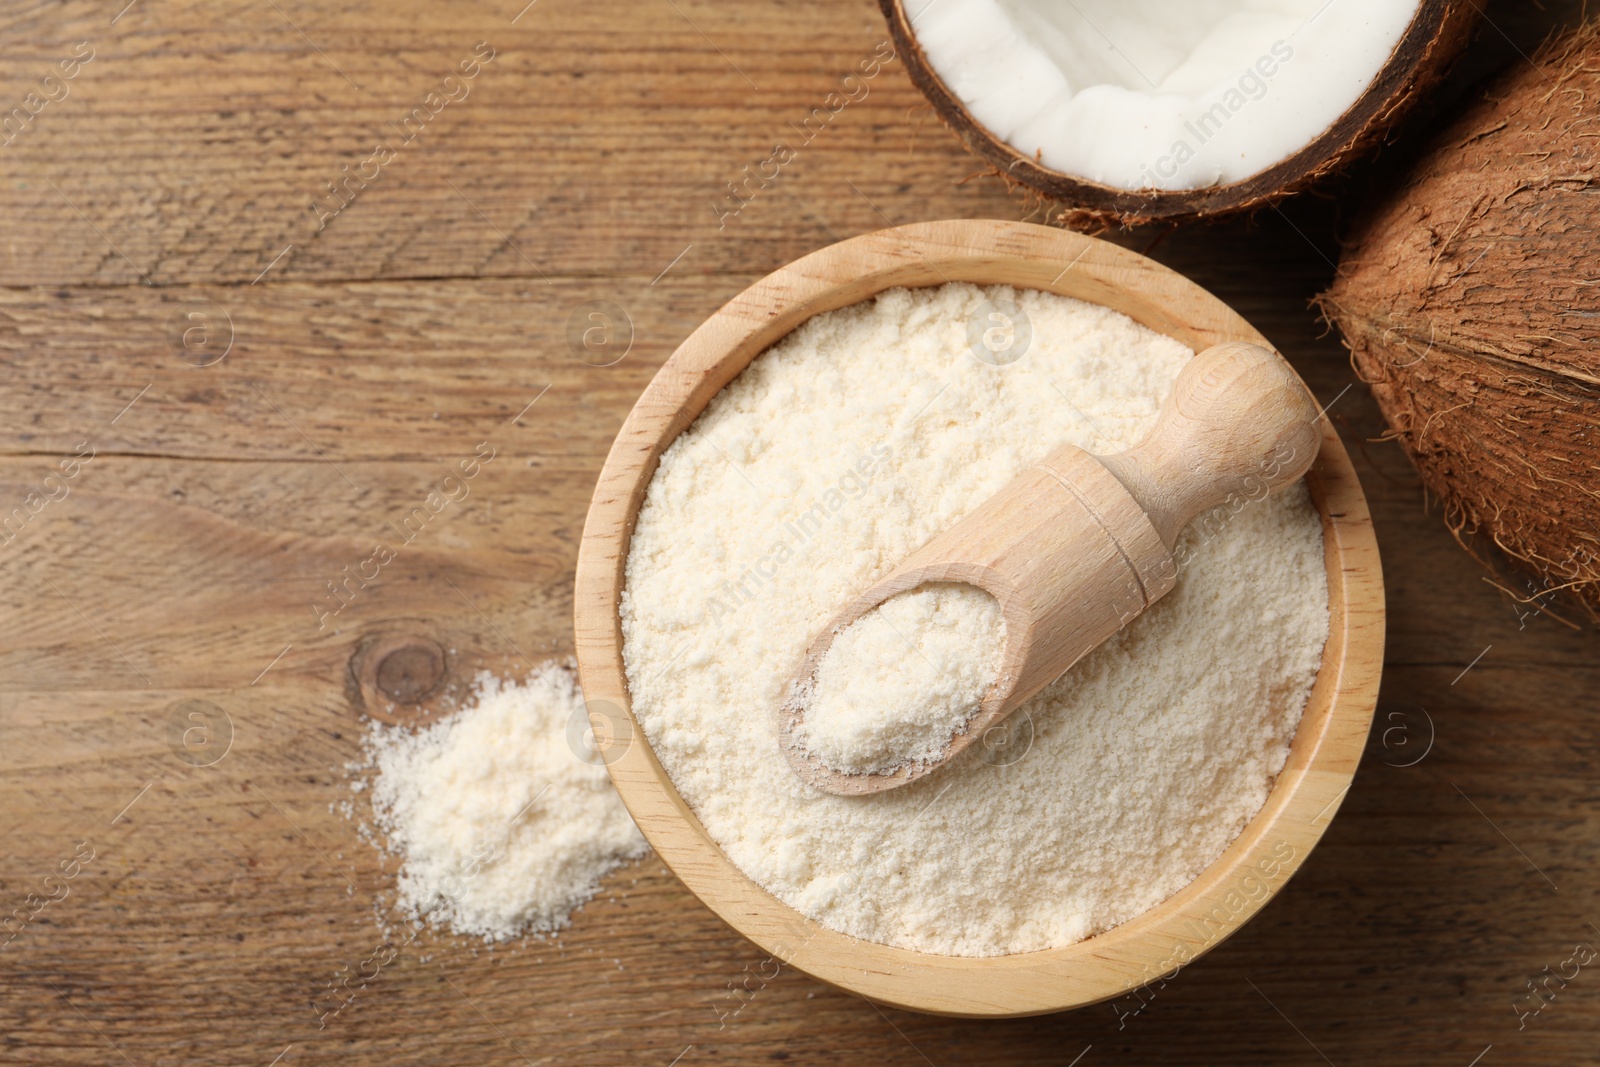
(180, 185)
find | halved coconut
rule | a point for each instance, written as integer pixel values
(1135, 110)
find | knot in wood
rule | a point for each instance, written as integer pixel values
(408, 673)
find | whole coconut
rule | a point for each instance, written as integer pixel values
(1470, 301)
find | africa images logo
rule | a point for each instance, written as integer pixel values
(1252, 84)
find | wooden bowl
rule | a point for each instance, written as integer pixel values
(1326, 748)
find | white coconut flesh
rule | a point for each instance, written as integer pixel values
(1158, 94)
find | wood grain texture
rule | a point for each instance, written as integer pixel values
(215, 910)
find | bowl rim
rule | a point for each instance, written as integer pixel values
(1323, 756)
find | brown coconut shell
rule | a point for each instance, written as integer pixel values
(1435, 37)
(1470, 300)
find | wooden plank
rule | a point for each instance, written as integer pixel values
(187, 555)
(601, 144)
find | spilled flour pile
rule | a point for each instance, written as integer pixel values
(900, 681)
(834, 455)
(501, 827)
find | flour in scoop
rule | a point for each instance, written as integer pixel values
(502, 824)
(897, 684)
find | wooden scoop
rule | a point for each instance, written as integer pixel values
(1078, 545)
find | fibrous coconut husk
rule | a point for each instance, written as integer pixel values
(1470, 300)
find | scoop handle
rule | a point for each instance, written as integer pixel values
(1238, 426)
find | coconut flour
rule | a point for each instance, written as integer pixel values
(900, 681)
(827, 461)
(502, 825)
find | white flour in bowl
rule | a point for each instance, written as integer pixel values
(827, 461)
